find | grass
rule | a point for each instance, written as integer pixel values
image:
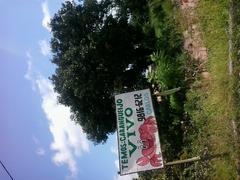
(209, 105)
(215, 104)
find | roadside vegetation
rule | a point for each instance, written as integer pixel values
(209, 105)
(99, 53)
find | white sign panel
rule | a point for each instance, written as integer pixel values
(138, 139)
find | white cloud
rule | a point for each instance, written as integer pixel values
(69, 141)
(40, 151)
(44, 47)
(116, 163)
(114, 150)
(125, 177)
(28, 74)
(30, 70)
(46, 16)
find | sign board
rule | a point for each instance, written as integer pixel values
(138, 140)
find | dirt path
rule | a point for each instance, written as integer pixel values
(193, 43)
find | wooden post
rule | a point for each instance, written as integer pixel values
(197, 158)
(168, 92)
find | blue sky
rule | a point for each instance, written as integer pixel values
(37, 139)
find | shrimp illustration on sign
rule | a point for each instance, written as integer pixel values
(147, 130)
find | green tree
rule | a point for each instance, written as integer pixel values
(96, 55)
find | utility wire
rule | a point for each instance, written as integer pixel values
(6, 170)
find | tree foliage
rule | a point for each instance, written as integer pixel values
(102, 48)
(96, 55)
